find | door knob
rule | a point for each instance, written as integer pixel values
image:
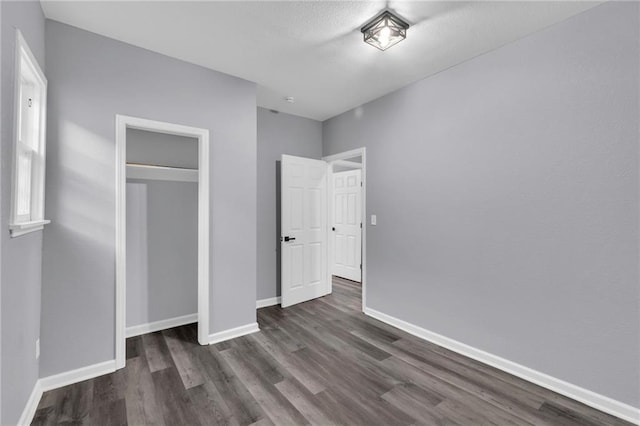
(286, 239)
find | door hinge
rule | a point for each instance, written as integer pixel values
(361, 266)
(360, 225)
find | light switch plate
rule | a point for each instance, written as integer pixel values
(373, 219)
(38, 349)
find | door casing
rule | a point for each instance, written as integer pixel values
(123, 123)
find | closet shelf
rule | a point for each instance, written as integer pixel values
(146, 171)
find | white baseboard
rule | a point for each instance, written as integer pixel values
(592, 399)
(32, 405)
(137, 330)
(232, 333)
(59, 380)
(78, 375)
(89, 372)
(263, 303)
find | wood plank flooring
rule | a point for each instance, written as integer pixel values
(322, 362)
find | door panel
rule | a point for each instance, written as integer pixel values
(304, 224)
(347, 233)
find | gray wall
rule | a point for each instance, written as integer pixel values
(162, 250)
(91, 79)
(277, 134)
(161, 149)
(21, 256)
(506, 190)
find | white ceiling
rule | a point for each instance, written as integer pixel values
(313, 50)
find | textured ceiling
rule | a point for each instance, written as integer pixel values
(313, 50)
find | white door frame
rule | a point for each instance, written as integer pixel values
(123, 123)
(341, 158)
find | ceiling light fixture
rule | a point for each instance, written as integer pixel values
(385, 30)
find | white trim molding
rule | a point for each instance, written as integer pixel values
(137, 330)
(60, 380)
(78, 375)
(23, 228)
(123, 123)
(32, 405)
(590, 398)
(232, 333)
(263, 303)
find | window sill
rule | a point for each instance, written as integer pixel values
(17, 229)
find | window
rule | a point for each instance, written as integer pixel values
(27, 202)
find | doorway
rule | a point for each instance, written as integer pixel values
(124, 126)
(347, 212)
(345, 220)
(309, 243)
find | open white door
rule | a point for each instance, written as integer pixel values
(347, 225)
(304, 229)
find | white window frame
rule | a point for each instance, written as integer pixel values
(27, 67)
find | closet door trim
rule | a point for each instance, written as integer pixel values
(123, 123)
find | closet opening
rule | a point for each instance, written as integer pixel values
(162, 229)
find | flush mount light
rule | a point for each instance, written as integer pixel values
(385, 30)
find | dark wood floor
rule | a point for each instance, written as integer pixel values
(321, 362)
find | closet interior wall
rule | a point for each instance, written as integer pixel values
(162, 230)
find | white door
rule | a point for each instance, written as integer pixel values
(347, 225)
(304, 229)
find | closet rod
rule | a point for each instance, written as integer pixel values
(176, 174)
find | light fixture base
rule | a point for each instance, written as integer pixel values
(385, 30)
